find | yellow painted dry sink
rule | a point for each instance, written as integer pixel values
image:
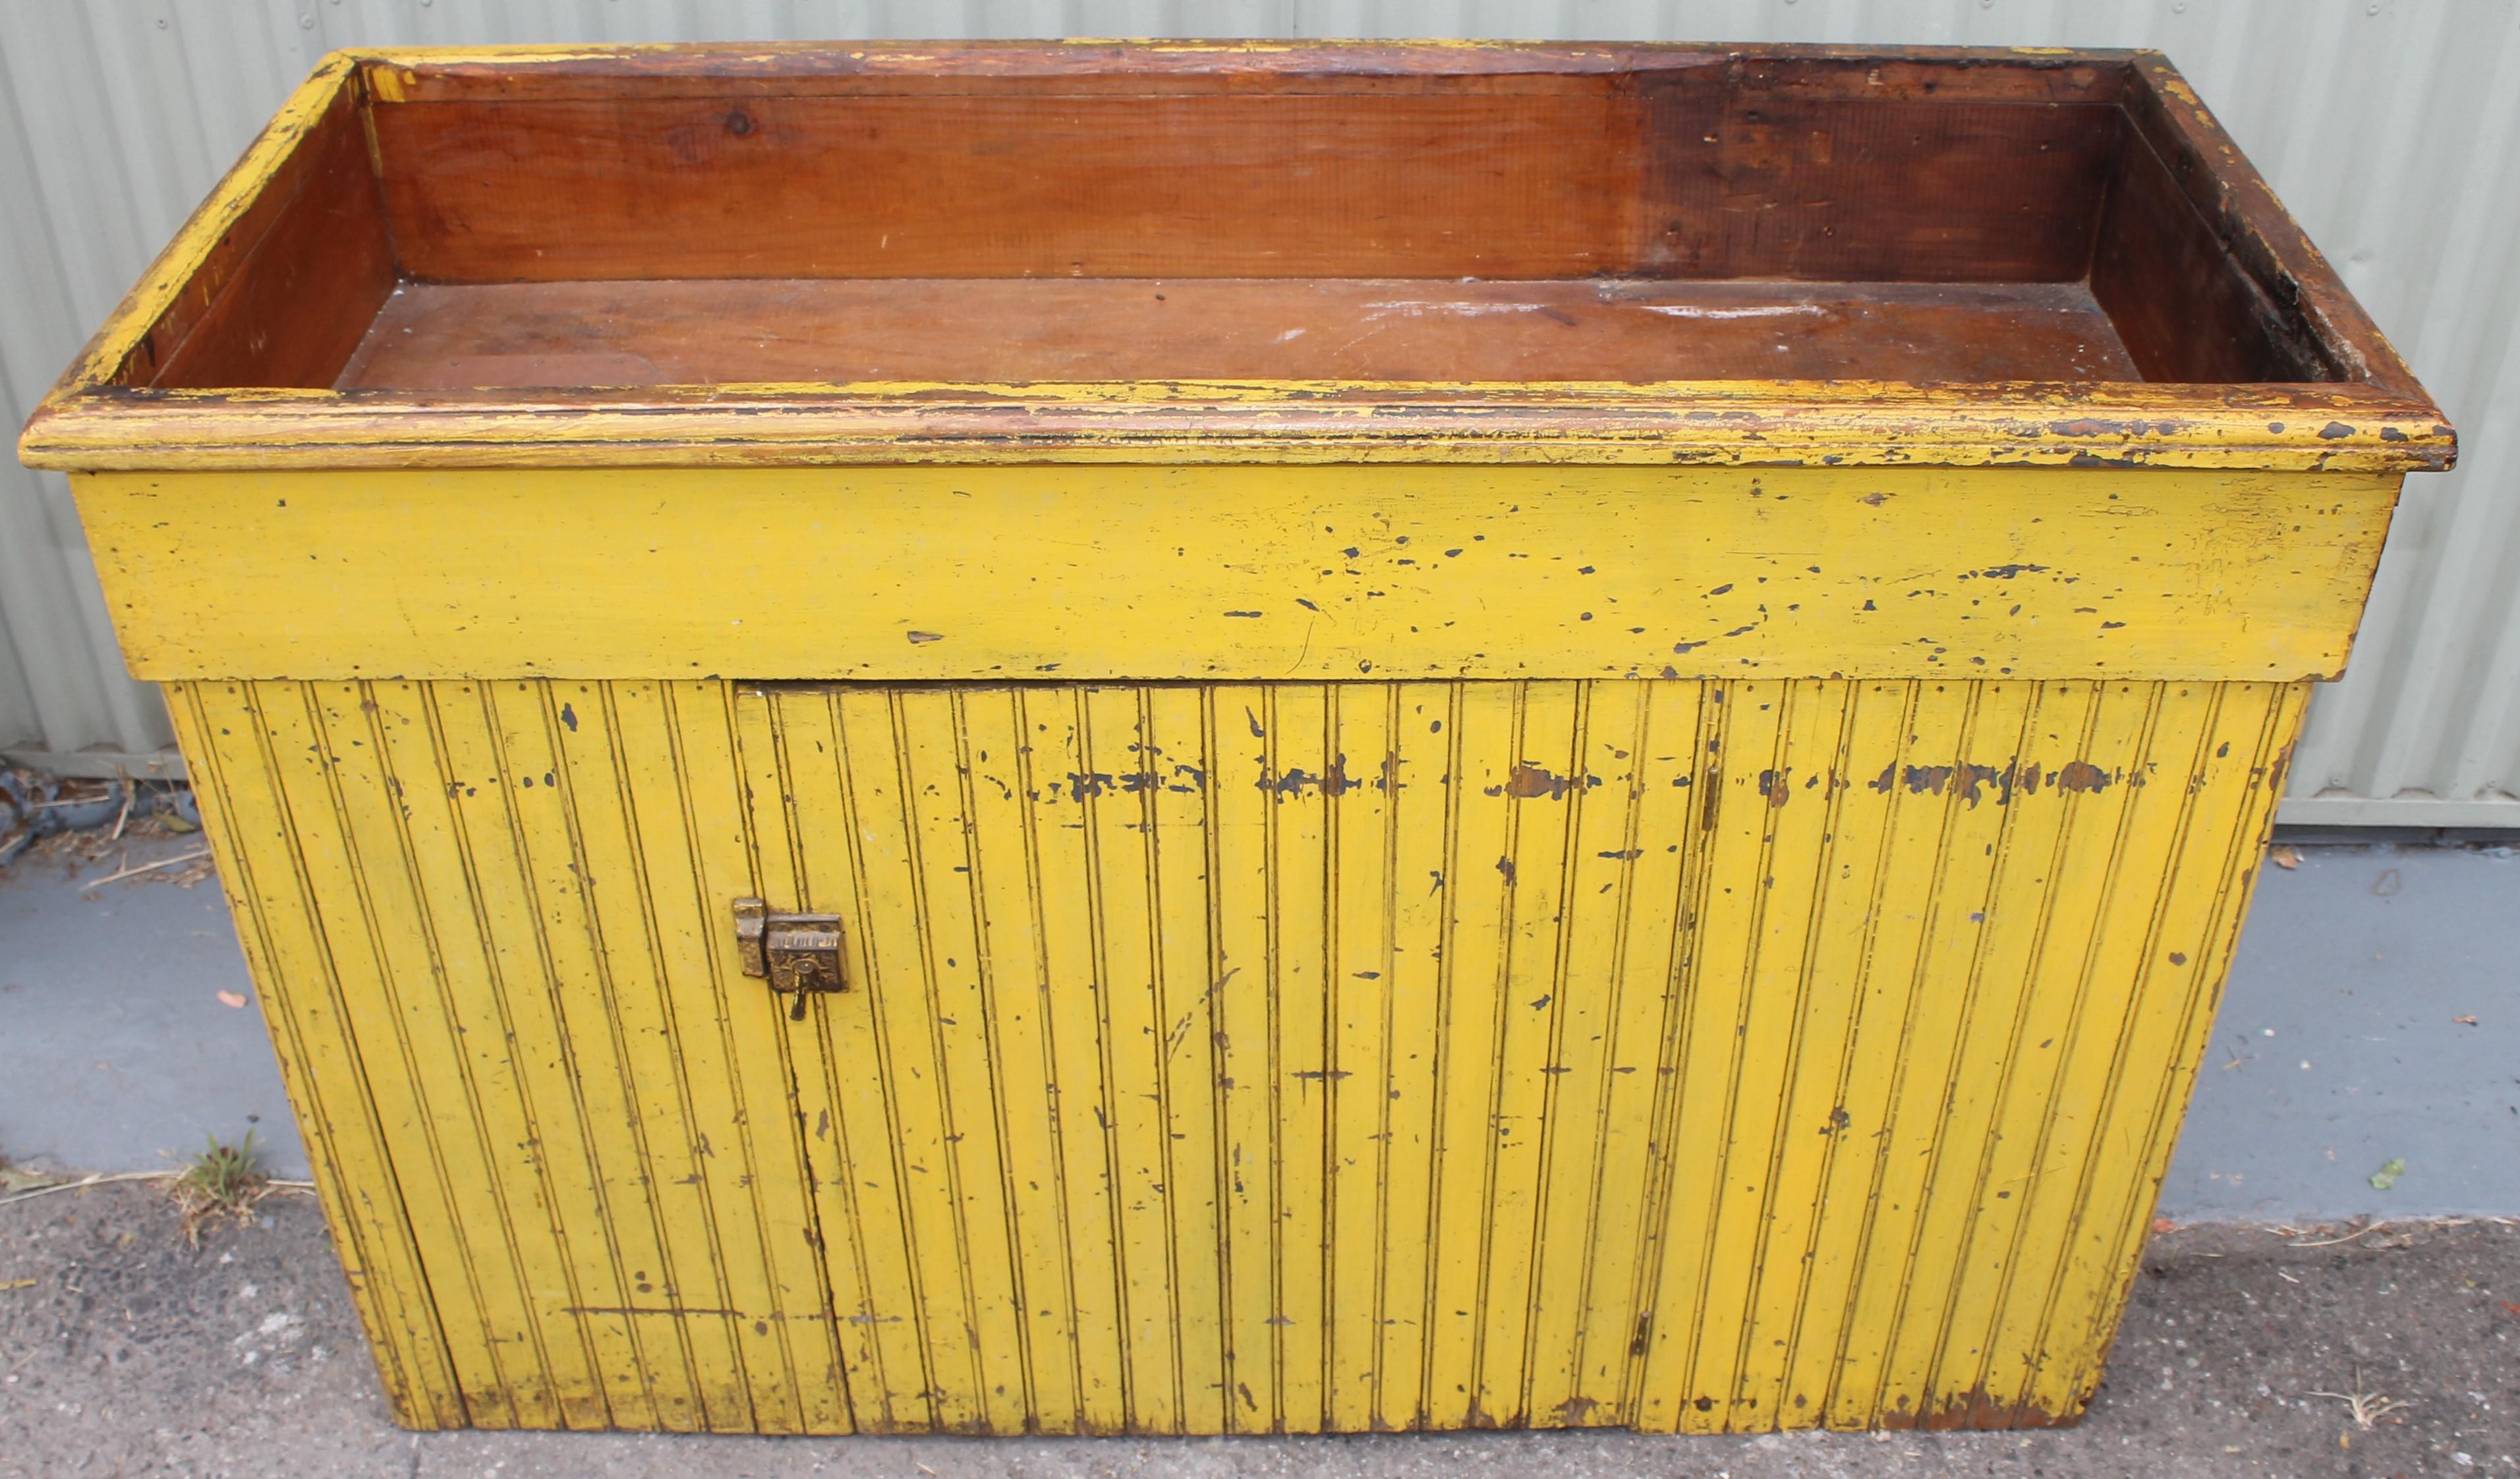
(1191, 738)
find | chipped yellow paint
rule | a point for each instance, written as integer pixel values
(178, 267)
(1725, 1055)
(94, 422)
(1693, 906)
(1227, 572)
(2341, 428)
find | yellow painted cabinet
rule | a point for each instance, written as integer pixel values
(1375, 886)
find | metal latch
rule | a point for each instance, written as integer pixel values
(798, 951)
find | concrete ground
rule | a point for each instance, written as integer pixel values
(118, 1047)
(2373, 1014)
(127, 1352)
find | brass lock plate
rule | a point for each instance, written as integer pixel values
(796, 953)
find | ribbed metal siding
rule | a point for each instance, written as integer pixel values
(2392, 127)
(114, 120)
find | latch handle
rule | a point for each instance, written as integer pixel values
(796, 953)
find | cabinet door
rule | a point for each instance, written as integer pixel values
(1013, 1135)
(1274, 1058)
(555, 1128)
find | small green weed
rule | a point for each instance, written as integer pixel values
(221, 1183)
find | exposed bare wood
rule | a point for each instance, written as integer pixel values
(1831, 187)
(2048, 423)
(711, 331)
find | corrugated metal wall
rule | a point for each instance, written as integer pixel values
(2392, 127)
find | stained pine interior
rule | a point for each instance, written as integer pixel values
(1689, 216)
(714, 331)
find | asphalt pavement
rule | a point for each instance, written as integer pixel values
(129, 1353)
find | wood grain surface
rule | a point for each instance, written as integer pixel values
(718, 331)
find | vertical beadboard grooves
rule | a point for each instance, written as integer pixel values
(784, 1128)
(1704, 1056)
(771, 1393)
(1977, 1161)
(512, 995)
(1150, 760)
(771, 834)
(2139, 1190)
(1274, 1006)
(680, 899)
(496, 1395)
(862, 1227)
(1378, 1302)
(1670, 1039)
(916, 1301)
(1678, 1037)
(985, 969)
(656, 1356)
(2085, 960)
(1486, 1302)
(1565, 1370)
(578, 876)
(377, 1255)
(1446, 1065)
(1231, 1382)
(583, 1398)
(1849, 1363)
(1102, 1021)
(1800, 1253)
(641, 858)
(1811, 888)
(1955, 1075)
(2237, 877)
(2090, 966)
(1553, 1055)
(1875, 900)
(1698, 985)
(918, 1050)
(367, 717)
